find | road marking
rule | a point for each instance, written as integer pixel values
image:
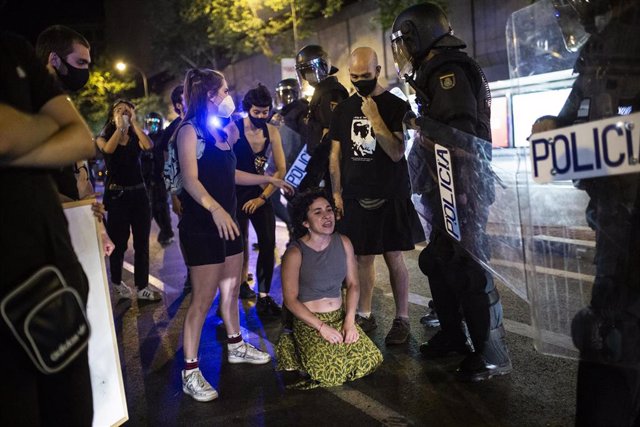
(369, 406)
(154, 281)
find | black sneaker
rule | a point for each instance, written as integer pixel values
(266, 305)
(475, 368)
(431, 318)
(367, 324)
(246, 292)
(441, 345)
(165, 239)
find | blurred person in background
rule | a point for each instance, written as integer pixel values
(153, 126)
(168, 137)
(126, 200)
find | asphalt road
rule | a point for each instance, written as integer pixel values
(406, 389)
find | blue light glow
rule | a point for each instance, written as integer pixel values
(214, 121)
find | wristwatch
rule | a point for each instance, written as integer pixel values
(263, 197)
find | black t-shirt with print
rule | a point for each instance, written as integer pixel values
(33, 228)
(366, 171)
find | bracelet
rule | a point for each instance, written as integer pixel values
(320, 328)
(263, 197)
(212, 211)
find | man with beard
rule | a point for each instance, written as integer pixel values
(39, 130)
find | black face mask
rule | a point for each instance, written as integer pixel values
(365, 87)
(258, 122)
(75, 79)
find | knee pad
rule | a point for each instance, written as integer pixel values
(427, 261)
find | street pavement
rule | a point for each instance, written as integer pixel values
(406, 390)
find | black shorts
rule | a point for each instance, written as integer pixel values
(394, 226)
(204, 248)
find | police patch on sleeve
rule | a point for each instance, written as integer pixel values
(448, 81)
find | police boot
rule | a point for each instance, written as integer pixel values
(491, 360)
(444, 344)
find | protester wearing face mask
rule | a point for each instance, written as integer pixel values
(257, 140)
(370, 183)
(66, 54)
(208, 227)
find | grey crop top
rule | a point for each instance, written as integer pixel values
(322, 273)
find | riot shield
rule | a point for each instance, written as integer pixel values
(537, 44)
(460, 191)
(579, 206)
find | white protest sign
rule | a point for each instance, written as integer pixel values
(109, 401)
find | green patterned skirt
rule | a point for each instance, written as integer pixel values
(327, 365)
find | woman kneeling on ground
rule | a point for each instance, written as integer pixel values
(325, 342)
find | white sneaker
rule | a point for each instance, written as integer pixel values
(197, 387)
(149, 294)
(246, 353)
(123, 290)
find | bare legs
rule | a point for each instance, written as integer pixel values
(205, 280)
(398, 277)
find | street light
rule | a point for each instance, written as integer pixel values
(121, 66)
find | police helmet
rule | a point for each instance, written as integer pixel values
(287, 91)
(313, 65)
(153, 123)
(588, 10)
(417, 30)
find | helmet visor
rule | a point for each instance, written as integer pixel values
(573, 32)
(285, 96)
(401, 56)
(313, 71)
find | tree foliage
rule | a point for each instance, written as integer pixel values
(389, 9)
(215, 32)
(102, 89)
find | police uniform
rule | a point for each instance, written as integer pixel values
(328, 93)
(455, 93)
(609, 376)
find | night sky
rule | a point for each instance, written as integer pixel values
(29, 17)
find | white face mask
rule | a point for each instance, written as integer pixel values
(226, 107)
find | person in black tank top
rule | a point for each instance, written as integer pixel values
(125, 197)
(208, 227)
(257, 140)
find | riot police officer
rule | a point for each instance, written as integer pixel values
(607, 333)
(292, 110)
(452, 91)
(314, 67)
